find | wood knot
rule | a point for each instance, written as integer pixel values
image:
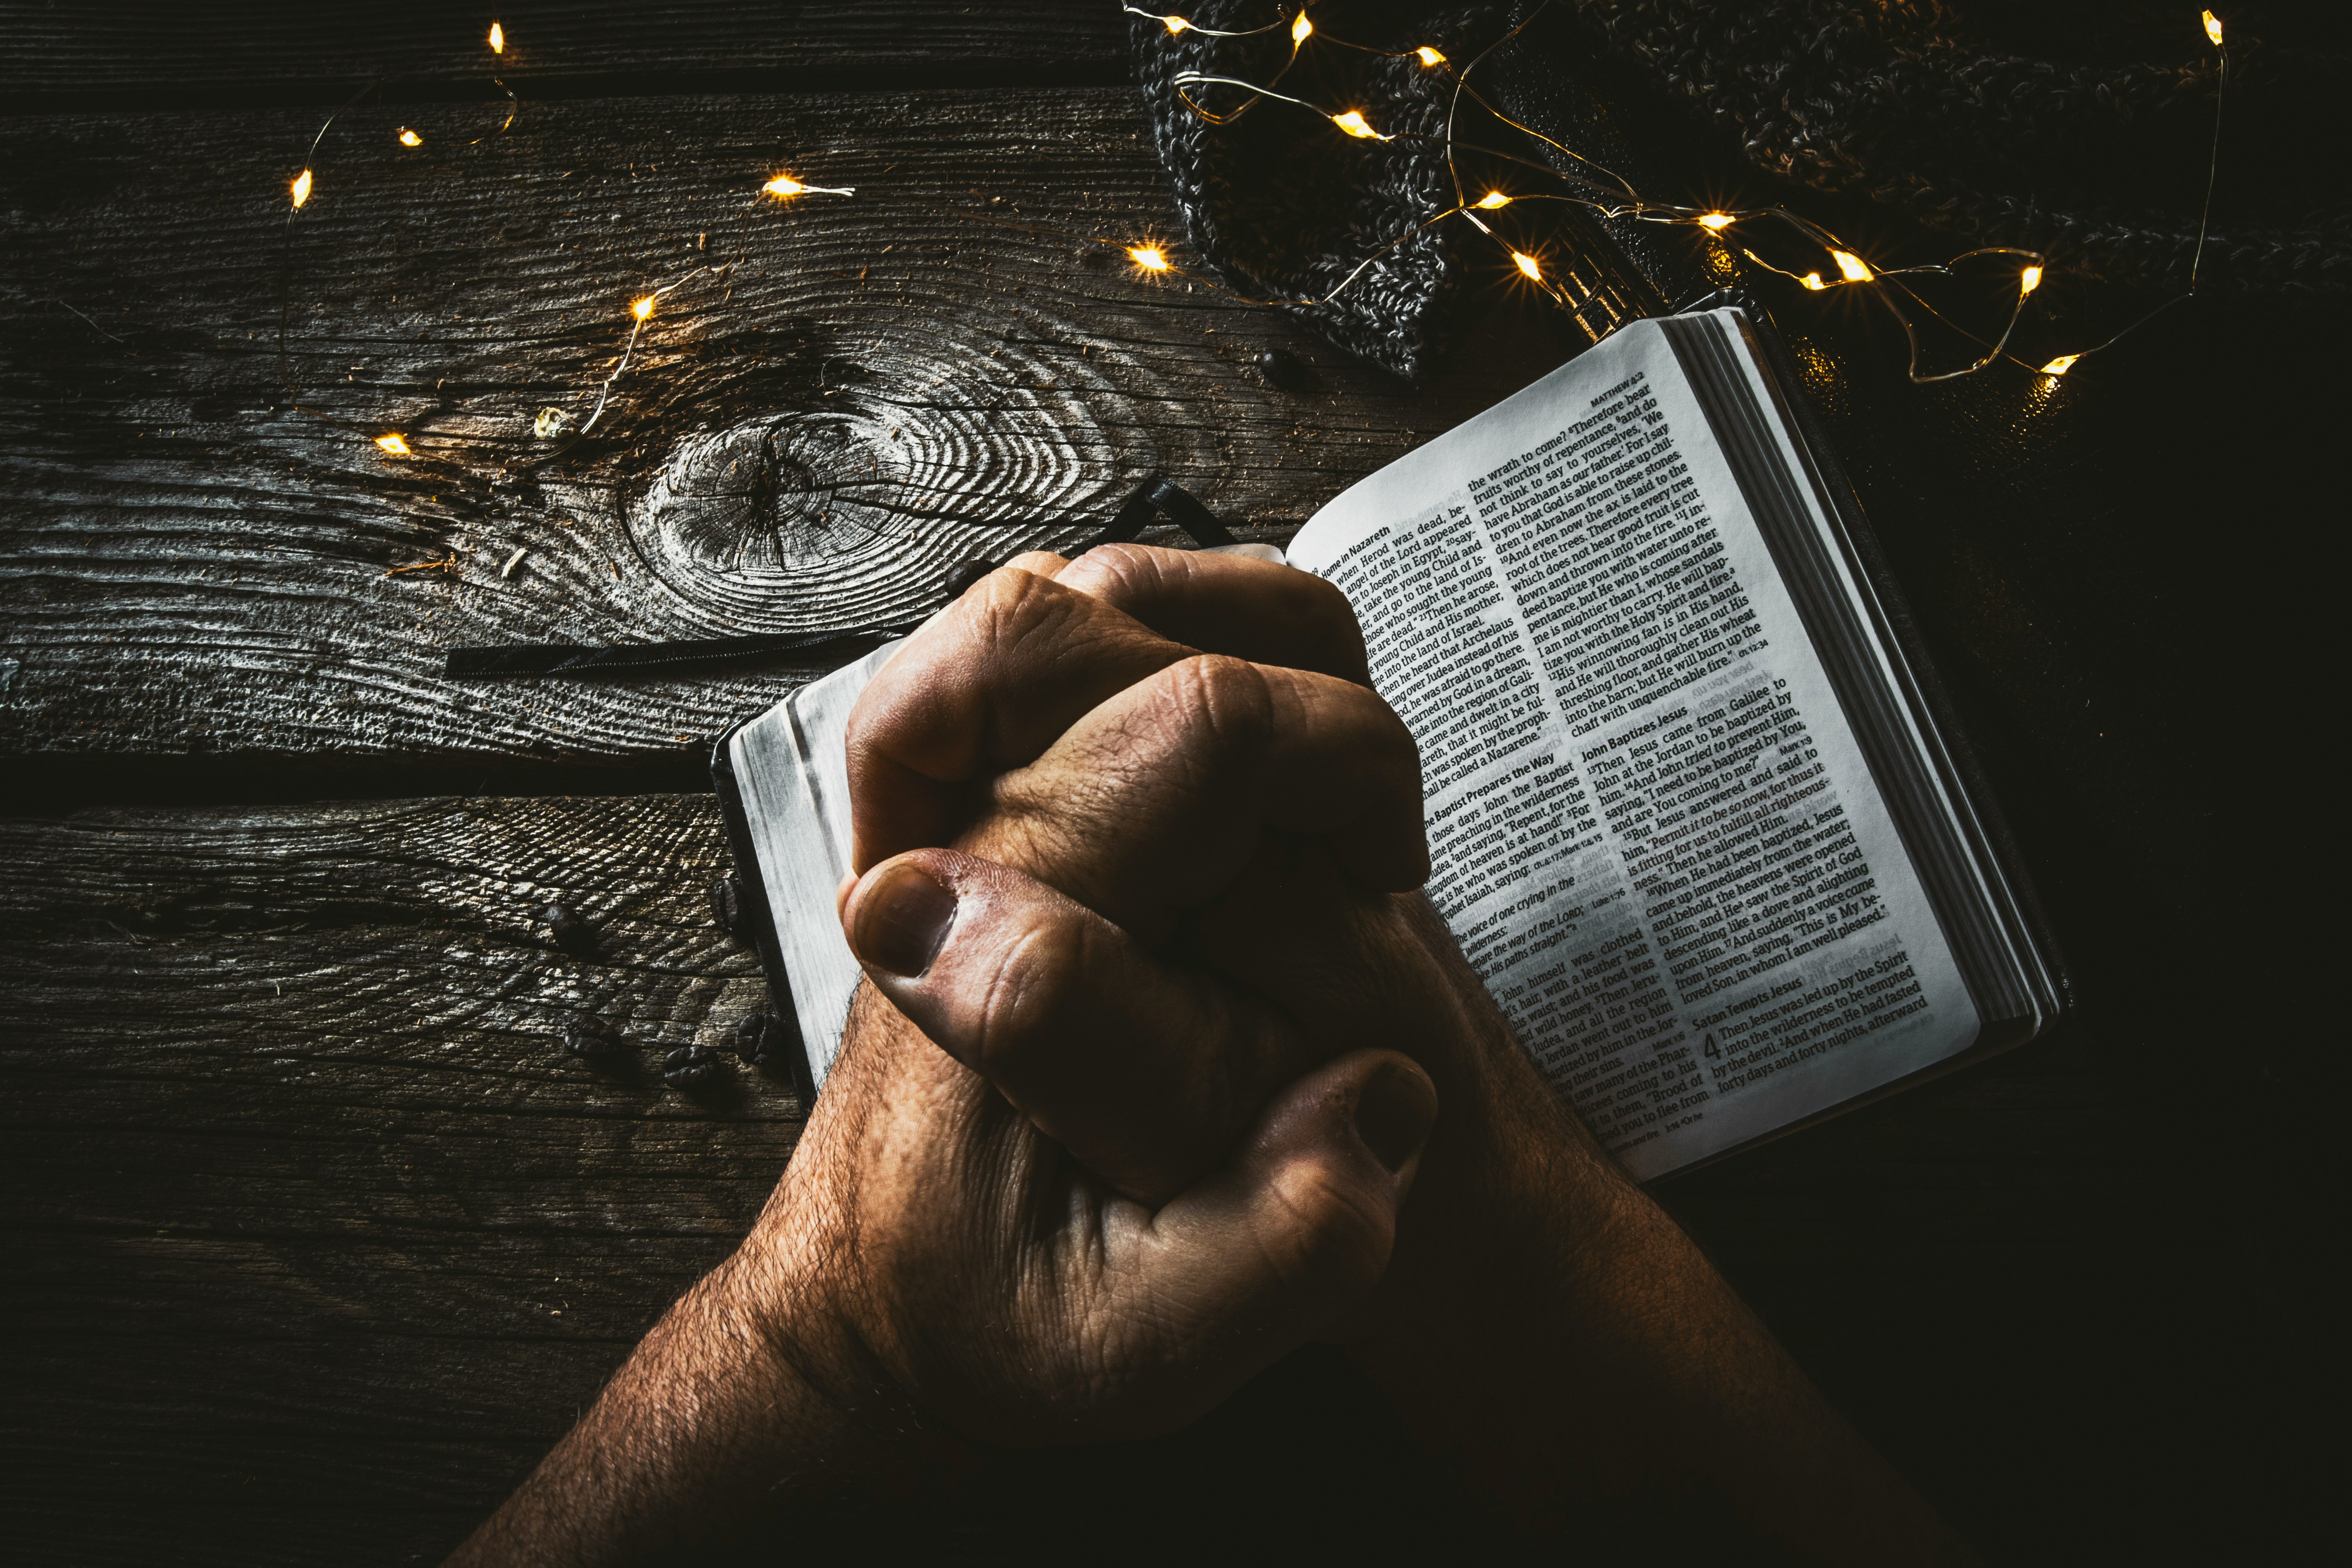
(771, 497)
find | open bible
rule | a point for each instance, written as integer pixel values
(1697, 811)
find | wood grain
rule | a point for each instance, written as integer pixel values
(305, 1190)
(146, 54)
(303, 1182)
(316, 1240)
(868, 390)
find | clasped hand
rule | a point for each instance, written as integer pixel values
(1150, 1127)
(1159, 1041)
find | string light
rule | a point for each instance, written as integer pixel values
(784, 185)
(1181, 24)
(550, 422)
(1153, 258)
(1851, 268)
(642, 308)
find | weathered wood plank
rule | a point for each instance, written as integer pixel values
(312, 1223)
(876, 388)
(311, 1212)
(151, 55)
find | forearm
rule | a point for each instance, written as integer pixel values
(754, 1387)
(685, 1447)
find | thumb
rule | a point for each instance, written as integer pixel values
(1292, 1232)
(1146, 1073)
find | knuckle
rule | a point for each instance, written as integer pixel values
(1218, 697)
(1124, 573)
(1043, 563)
(1325, 606)
(1010, 606)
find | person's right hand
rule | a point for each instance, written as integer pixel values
(1137, 843)
(1137, 885)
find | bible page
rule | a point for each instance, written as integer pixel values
(1652, 829)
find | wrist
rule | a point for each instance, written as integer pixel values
(787, 1293)
(711, 1422)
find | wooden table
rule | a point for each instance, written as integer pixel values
(315, 1237)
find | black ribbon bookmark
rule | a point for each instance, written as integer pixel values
(1157, 496)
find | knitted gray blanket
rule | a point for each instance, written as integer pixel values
(1995, 122)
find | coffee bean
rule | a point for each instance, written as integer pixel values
(692, 1068)
(593, 1042)
(760, 1039)
(572, 934)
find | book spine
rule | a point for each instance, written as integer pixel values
(753, 890)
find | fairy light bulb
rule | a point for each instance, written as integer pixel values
(409, 138)
(1853, 267)
(1428, 56)
(1715, 221)
(1176, 24)
(1527, 263)
(1150, 258)
(498, 40)
(643, 308)
(783, 187)
(2213, 28)
(1493, 199)
(301, 187)
(2028, 281)
(1301, 30)
(1354, 124)
(1813, 281)
(2060, 366)
(394, 444)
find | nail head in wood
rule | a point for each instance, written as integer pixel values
(572, 934)
(1286, 371)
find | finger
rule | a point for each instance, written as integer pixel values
(1144, 1074)
(1160, 796)
(986, 685)
(1258, 610)
(1277, 1244)
(1038, 563)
